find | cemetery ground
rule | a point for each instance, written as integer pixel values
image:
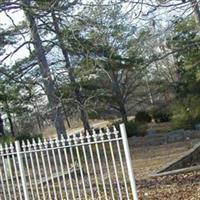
(148, 159)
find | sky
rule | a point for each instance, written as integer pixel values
(5, 23)
(161, 21)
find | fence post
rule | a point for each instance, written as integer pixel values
(21, 169)
(128, 161)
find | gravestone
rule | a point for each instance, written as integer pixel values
(197, 126)
(151, 132)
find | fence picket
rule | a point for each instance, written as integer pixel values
(10, 170)
(21, 170)
(107, 166)
(33, 168)
(87, 166)
(121, 163)
(114, 164)
(44, 166)
(2, 183)
(15, 170)
(5, 172)
(69, 140)
(28, 172)
(50, 168)
(91, 166)
(129, 161)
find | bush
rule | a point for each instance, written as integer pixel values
(186, 114)
(6, 139)
(142, 116)
(94, 115)
(133, 128)
(160, 115)
(25, 136)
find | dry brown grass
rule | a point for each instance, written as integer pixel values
(148, 159)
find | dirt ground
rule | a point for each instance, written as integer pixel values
(148, 159)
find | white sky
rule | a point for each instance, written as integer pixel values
(17, 16)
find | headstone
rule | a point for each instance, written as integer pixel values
(197, 126)
(151, 132)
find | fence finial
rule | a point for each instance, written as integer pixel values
(1, 147)
(82, 137)
(75, 138)
(39, 143)
(88, 136)
(51, 142)
(34, 144)
(23, 144)
(6, 148)
(108, 133)
(94, 134)
(101, 134)
(115, 131)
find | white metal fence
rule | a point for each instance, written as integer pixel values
(96, 166)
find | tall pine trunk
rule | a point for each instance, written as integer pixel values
(196, 11)
(1, 126)
(8, 113)
(56, 109)
(116, 90)
(123, 113)
(77, 92)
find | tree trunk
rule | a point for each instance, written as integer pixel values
(38, 122)
(66, 115)
(77, 92)
(123, 113)
(196, 10)
(85, 120)
(1, 126)
(56, 109)
(38, 118)
(7, 110)
(118, 94)
(11, 124)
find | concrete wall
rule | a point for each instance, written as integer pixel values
(165, 138)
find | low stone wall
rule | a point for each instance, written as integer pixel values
(165, 138)
(187, 162)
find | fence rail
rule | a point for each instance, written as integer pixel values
(96, 166)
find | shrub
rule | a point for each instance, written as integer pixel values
(186, 114)
(6, 139)
(27, 136)
(160, 115)
(142, 116)
(133, 128)
(93, 115)
(136, 129)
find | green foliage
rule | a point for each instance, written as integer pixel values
(186, 114)
(133, 128)
(142, 116)
(160, 114)
(95, 114)
(186, 38)
(27, 136)
(6, 139)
